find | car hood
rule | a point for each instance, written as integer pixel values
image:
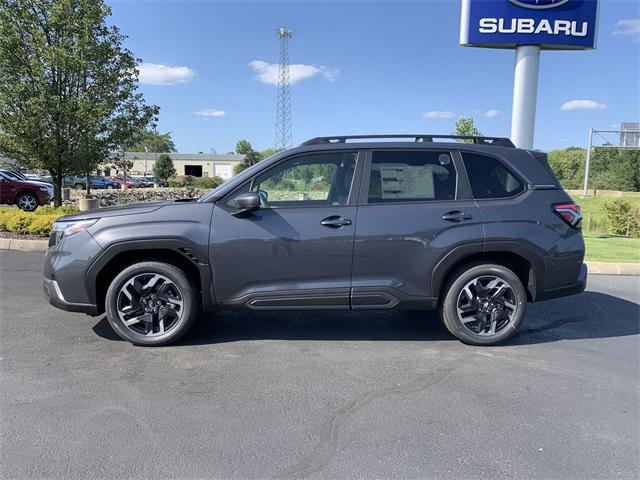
(131, 209)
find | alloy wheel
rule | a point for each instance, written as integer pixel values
(27, 202)
(150, 304)
(487, 305)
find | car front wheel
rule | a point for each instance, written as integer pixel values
(27, 202)
(484, 304)
(151, 304)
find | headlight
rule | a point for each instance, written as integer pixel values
(71, 227)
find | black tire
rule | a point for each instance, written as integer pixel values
(27, 201)
(475, 332)
(188, 313)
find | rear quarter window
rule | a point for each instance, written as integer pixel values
(489, 178)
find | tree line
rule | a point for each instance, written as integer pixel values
(610, 168)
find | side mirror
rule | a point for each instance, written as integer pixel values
(246, 203)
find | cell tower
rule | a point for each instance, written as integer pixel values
(283, 110)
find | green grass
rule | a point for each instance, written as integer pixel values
(611, 248)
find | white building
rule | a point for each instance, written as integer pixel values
(196, 164)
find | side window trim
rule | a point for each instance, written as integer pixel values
(505, 165)
(353, 191)
(363, 198)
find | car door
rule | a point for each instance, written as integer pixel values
(7, 189)
(297, 249)
(415, 207)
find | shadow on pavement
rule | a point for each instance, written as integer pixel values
(588, 315)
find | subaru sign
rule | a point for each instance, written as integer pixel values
(550, 24)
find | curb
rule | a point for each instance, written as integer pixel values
(24, 245)
(606, 268)
(595, 268)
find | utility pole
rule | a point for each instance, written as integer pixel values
(587, 164)
(283, 108)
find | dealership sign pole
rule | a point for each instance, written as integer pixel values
(528, 26)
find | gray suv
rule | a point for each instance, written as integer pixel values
(473, 227)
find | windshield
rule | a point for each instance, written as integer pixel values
(14, 175)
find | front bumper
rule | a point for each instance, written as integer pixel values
(566, 290)
(54, 296)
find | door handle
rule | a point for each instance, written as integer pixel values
(456, 216)
(335, 222)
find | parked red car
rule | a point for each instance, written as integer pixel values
(26, 195)
(119, 180)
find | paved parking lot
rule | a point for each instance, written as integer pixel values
(320, 395)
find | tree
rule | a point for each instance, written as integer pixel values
(267, 152)
(465, 127)
(145, 140)
(163, 167)
(243, 147)
(68, 88)
(239, 167)
(568, 166)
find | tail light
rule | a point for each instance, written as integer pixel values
(571, 213)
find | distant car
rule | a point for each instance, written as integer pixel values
(119, 181)
(143, 182)
(79, 182)
(24, 194)
(21, 177)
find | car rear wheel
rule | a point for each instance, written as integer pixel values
(151, 304)
(27, 202)
(484, 304)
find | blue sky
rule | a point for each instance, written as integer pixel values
(364, 67)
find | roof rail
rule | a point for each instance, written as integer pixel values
(498, 141)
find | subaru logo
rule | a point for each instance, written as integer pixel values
(538, 4)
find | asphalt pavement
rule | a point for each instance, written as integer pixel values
(363, 394)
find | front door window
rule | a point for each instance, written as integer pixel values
(323, 179)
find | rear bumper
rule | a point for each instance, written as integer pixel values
(566, 290)
(54, 296)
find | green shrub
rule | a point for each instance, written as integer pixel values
(180, 181)
(207, 182)
(41, 224)
(33, 223)
(623, 217)
(19, 221)
(65, 210)
(198, 182)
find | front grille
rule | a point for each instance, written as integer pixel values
(53, 239)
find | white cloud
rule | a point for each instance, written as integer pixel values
(491, 113)
(628, 28)
(268, 72)
(210, 112)
(583, 105)
(158, 74)
(438, 114)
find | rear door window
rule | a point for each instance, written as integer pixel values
(411, 176)
(489, 178)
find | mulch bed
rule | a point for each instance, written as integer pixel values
(20, 236)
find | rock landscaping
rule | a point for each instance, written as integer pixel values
(109, 198)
